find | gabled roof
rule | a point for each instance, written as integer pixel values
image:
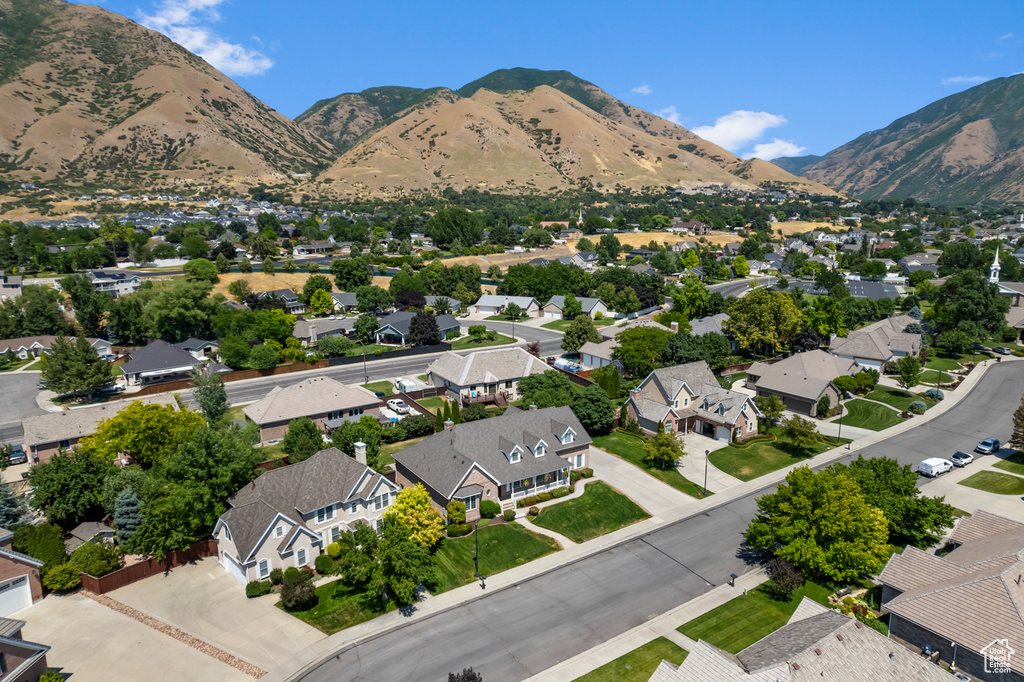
(486, 366)
(804, 375)
(443, 460)
(345, 298)
(499, 301)
(723, 406)
(611, 331)
(400, 322)
(878, 341)
(157, 355)
(194, 344)
(587, 304)
(312, 396)
(44, 342)
(285, 294)
(712, 323)
(54, 427)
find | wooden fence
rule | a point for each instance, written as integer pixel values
(147, 568)
(743, 367)
(240, 375)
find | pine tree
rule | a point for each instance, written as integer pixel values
(12, 507)
(456, 412)
(1017, 439)
(75, 367)
(209, 392)
(127, 515)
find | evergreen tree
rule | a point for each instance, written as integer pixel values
(245, 266)
(12, 507)
(223, 265)
(75, 368)
(1017, 439)
(127, 515)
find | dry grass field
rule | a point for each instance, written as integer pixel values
(260, 281)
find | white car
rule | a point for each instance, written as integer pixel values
(961, 459)
(934, 467)
(398, 406)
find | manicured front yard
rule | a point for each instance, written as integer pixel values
(1014, 464)
(600, 510)
(740, 622)
(726, 381)
(934, 377)
(631, 449)
(867, 415)
(371, 350)
(944, 362)
(562, 325)
(386, 454)
(468, 343)
(502, 546)
(995, 482)
(639, 664)
(380, 386)
(338, 607)
(896, 397)
(764, 457)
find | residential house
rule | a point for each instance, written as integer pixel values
(310, 331)
(29, 346)
(962, 604)
(157, 362)
(87, 531)
(10, 286)
(646, 254)
(501, 459)
(287, 516)
(643, 269)
(713, 323)
(45, 434)
(433, 301)
(694, 227)
(494, 304)
(611, 331)
(344, 301)
(20, 660)
(20, 583)
(920, 261)
(594, 355)
(486, 376)
(730, 250)
(688, 398)
(319, 398)
(878, 343)
(117, 284)
(313, 248)
(572, 233)
(584, 259)
(292, 303)
(394, 328)
(802, 379)
(824, 261)
(816, 644)
(198, 348)
(679, 247)
(554, 308)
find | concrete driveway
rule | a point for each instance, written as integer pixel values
(203, 600)
(694, 465)
(654, 496)
(93, 643)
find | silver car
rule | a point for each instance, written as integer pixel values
(988, 446)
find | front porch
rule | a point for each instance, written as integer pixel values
(511, 493)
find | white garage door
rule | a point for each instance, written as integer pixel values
(488, 310)
(552, 314)
(15, 595)
(234, 568)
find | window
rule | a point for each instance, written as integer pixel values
(64, 444)
(324, 514)
(675, 403)
(577, 461)
(264, 568)
(380, 502)
(279, 531)
(336, 414)
(471, 502)
(353, 507)
(514, 457)
(569, 437)
(353, 413)
(335, 533)
(378, 524)
(539, 452)
(686, 401)
(300, 557)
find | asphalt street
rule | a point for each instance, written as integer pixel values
(739, 287)
(519, 631)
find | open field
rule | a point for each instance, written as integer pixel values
(261, 281)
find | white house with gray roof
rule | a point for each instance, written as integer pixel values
(688, 398)
(486, 376)
(501, 459)
(555, 308)
(288, 516)
(494, 304)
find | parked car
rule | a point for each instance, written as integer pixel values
(379, 394)
(934, 466)
(398, 406)
(1002, 350)
(109, 390)
(961, 459)
(988, 446)
(551, 360)
(18, 455)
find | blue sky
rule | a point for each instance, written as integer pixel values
(766, 78)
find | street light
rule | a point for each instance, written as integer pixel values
(706, 458)
(476, 559)
(366, 375)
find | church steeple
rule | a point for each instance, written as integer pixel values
(993, 273)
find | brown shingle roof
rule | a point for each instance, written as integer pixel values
(981, 524)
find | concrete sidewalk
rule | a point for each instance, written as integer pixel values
(330, 646)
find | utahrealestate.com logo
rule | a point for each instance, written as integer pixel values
(997, 656)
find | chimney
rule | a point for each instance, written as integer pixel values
(533, 408)
(360, 447)
(448, 423)
(674, 326)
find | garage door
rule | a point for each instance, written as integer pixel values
(15, 595)
(552, 314)
(234, 568)
(722, 433)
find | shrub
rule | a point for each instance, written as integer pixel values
(96, 558)
(324, 564)
(544, 497)
(489, 509)
(456, 511)
(44, 541)
(334, 550)
(291, 575)
(530, 501)
(299, 594)
(393, 434)
(451, 336)
(457, 530)
(509, 515)
(560, 492)
(934, 394)
(824, 406)
(598, 315)
(276, 576)
(418, 425)
(575, 476)
(918, 407)
(586, 472)
(62, 578)
(633, 427)
(51, 676)
(257, 588)
(784, 579)
(534, 511)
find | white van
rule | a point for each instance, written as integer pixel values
(934, 466)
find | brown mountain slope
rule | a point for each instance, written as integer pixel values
(89, 95)
(535, 140)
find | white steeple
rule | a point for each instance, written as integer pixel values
(993, 273)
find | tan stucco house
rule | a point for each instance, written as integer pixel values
(319, 398)
(486, 376)
(802, 379)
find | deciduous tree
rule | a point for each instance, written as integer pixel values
(75, 367)
(90, 305)
(423, 330)
(200, 269)
(550, 389)
(314, 284)
(763, 319)
(594, 409)
(639, 349)
(579, 331)
(412, 507)
(663, 449)
(208, 390)
(801, 432)
(66, 488)
(146, 433)
(303, 440)
(909, 368)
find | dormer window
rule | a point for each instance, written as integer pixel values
(686, 402)
(568, 437)
(539, 452)
(515, 455)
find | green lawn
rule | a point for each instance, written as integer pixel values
(761, 458)
(338, 607)
(17, 364)
(502, 546)
(728, 381)
(382, 386)
(1014, 464)
(944, 362)
(932, 377)
(503, 318)
(896, 397)
(115, 370)
(740, 622)
(631, 449)
(371, 350)
(432, 404)
(272, 451)
(423, 378)
(562, 325)
(600, 510)
(995, 482)
(235, 412)
(639, 664)
(468, 343)
(386, 455)
(868, 415)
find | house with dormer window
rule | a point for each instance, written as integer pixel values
(502, 459)
(288, 516)
(688, 398)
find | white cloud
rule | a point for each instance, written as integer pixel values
(958, 80)
(670, 114)
(643, 90)
(739, 128)
(774, 149)
(185, 22)
(1006, 37)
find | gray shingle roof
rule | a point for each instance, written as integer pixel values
(312, 396)
(157, 355)
(443, 460)
(586, 303)
(400, 322)
(712, 323)
(501, 301)
(486, 366)
(54, 427)
(804, 375)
